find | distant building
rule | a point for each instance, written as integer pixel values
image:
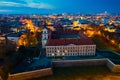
(106, 21)
(14, 37)
(110, 28)
(6, 46)
(68, 43)
(75, 23)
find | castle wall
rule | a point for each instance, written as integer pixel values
(31, 74)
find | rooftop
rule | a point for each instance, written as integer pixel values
(65, 32)
(69, 36)
(59, 42)
(14, 34)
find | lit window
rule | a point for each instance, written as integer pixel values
(63, 54)
(53, 54)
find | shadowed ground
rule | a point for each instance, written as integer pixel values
(82, 73)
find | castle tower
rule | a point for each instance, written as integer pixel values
(44, 37)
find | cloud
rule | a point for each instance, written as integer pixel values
(40, 5)
(5, 10)
(3, 3)
(30, 4)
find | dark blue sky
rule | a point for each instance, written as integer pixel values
(59, 6)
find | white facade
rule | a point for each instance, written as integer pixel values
(44, 37)
(71, 50)
(15, 39)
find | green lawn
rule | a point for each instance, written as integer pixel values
(80, 73)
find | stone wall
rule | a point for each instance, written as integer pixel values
(113, 67)
(116, 68)
(91, 62)
(71, 63)
(64, 63)
(110, 65)
(31, 74)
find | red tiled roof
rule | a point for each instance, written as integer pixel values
(84, 40)
(60, 42)
(66, 32)
(79, 33)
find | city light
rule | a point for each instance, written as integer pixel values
(112, 41)
(60, 39)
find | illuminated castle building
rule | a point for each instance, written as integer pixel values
(67, 43)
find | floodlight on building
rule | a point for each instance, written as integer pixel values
(53, 54)
(58, 51)
(63, 54)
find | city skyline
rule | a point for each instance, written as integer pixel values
(78, 42)
(59, 6)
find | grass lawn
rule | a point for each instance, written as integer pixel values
(103, 44)
(80, 73)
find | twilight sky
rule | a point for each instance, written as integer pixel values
(59, 6)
